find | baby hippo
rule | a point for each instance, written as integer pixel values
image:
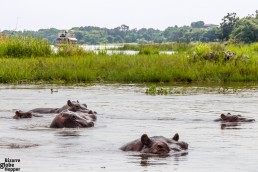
(233, 118)
(68, 119)
(156, 145)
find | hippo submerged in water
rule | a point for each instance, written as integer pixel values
(233, 118)
(68, 119)
(156, 145)
(73, 106)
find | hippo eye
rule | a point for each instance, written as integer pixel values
(74, 117)
(159, 147)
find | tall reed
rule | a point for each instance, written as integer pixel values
(23, 46)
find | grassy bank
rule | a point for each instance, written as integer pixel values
(31, 60)
(123, 68)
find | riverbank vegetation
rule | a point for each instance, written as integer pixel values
(232, 28)
(23, 46)
(197, 62)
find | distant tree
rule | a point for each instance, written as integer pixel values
(124, 28)
(227, 25)
(196, 35)
(78, 35)
(198, 24)
(210, 35)
(231, 27)
(245, 30)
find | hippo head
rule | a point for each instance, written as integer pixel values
(229, 118)
(234, 118)
(76, 106)
(67, 119)
(155, 145)
(20, 114)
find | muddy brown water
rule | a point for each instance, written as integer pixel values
(125, 112)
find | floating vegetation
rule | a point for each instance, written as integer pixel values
(226, 90)
(171, 90)
(153, 90)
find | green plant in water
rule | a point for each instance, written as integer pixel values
(162, 91)
(228, 91)
(178, 91)
(153, 90)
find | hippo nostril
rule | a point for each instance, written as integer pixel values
(91, 124)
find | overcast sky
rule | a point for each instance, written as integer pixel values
(157, 14)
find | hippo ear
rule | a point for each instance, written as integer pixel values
(176, 137)
(146, 140)
(78, 101)
(69, 103)
(17, 114)
(223, 116)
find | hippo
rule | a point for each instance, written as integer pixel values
(74, 106)
(71, 105)
(233, 118)
(20, 114)
(156, 145)
(68, 119)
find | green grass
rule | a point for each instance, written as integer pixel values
(123, 68)
(71, 64)
(23, 46)
(178, 47)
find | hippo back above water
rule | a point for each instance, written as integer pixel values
(70, 105)
(156, 145)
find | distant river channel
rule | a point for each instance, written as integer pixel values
(125, 112)
(111, 49)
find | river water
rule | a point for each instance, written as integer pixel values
(125, 112)
(110, 49)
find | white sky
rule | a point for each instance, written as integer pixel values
(157, 14)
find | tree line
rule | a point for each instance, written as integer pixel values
(232, 28)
